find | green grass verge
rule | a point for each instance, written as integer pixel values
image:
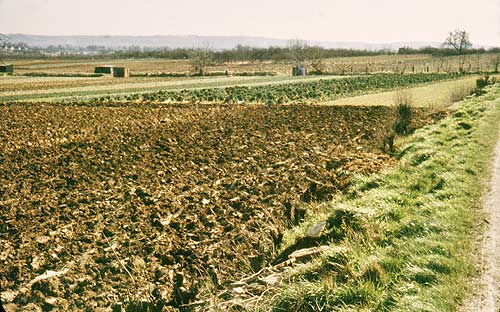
(403, 240)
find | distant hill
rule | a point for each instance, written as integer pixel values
(214, 42)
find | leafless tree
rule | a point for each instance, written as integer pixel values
(341, 68)
(201, 58)
(401, 69)
(495, 62)
(459, 41)
(316, 59)
(298, 52)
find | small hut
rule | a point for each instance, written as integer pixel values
(7, 68)
(299, 71)
(107, 69)
(121, 72)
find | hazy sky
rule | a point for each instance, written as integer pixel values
(328, 20)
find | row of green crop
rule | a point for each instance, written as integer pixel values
(72, 75)
(211, 74)
(319, 90)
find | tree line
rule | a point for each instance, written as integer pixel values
(457, 43)
(445, 51)
(240, 53)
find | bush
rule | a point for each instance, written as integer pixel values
(461, 93)
(485, 81)
(403, 101)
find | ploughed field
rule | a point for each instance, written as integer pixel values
(126, 203)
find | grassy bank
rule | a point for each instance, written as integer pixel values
(401, 241)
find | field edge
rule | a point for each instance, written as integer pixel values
(406, 236)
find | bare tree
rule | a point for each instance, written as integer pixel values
(298, 52)
(495, 62)
(316, 58)
(459, 41)
(201, 58)
(341, 68)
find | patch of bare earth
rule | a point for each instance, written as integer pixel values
(107, 205)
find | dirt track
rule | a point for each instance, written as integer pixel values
(487, 297)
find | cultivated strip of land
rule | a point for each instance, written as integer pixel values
(113, 87)
(304, 92)
(432, 95)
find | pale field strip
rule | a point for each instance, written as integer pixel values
(59, 62)
(121, 84)
(158, 64)
(23, 79)
(347, 65)
(38, 64)
(434, 95)
(139, 87)
(33, 83)
(126, 84)
(76, 62)
(87, 65)
(134, 80)
(155, 64)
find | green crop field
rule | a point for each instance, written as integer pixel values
(316, 91)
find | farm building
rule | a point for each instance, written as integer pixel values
(299, 71)
(107, 69)
(7, 68)
(120, 72)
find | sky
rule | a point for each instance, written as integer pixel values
(375, 21)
